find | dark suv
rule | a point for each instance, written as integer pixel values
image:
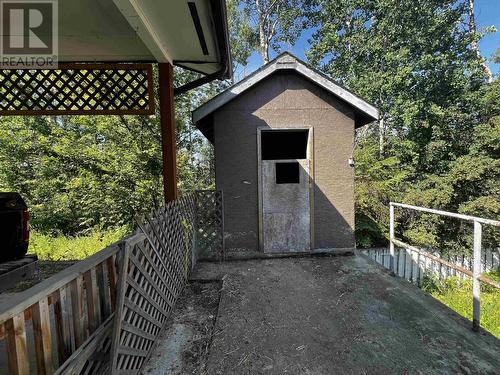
(14, 229)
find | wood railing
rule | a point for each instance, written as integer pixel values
(71, 311)
(104, 314)
(476, 275)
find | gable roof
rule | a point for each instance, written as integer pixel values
(364, 111)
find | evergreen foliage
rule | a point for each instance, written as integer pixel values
(440, 133)
(85, 173)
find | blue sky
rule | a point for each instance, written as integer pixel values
(487, 14)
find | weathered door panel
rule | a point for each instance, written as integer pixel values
(285, 209)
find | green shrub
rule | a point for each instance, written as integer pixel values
(457, 295)
(72, 248)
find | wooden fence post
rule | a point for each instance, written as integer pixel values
(391, 237)
(476, 273)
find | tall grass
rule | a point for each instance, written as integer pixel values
(457, 295)
(72, 248)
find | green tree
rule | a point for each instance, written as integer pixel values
(413, 61)
(264, 26)
(79, 173)
(470, 186)
(417, 63)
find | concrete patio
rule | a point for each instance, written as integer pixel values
(336, 315)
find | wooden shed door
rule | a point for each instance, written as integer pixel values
(285, 196)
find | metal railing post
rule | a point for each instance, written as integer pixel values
(391, 237)
(476, 273)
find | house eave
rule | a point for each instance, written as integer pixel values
(189, 33)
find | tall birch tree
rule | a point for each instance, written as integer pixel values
(267, 25)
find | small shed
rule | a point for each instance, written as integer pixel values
(283, 139)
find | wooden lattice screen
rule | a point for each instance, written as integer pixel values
(78, 89)
(156, 265)
(209, 224)
(104, 314)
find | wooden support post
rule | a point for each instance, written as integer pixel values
(391, 238)
(167, 121)
(476, 273)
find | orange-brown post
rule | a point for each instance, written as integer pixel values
(167, 122)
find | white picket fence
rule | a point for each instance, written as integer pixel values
(413, 266)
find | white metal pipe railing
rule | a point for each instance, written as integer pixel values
(481, 220)
(476, 269)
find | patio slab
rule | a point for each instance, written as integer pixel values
(336, 315)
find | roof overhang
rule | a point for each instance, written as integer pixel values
(364, 111)
(188, 33)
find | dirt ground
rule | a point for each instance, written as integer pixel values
(336, 315)
(185, 342)
(45, 269)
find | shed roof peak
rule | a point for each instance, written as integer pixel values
(365, 112)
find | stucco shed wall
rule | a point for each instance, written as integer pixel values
(286, 100)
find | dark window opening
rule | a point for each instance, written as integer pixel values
(287, 173)
(284, 144)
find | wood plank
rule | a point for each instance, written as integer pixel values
(43, 337)
(65, 334)
(120, 302)
(137, 331)
(415, 269)
(111, 265)
(104, 286)
(400, 263)
(77, 310)
(17, 350)
(77, 360)
(132, 351)
(24, 300)
(92, 294)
